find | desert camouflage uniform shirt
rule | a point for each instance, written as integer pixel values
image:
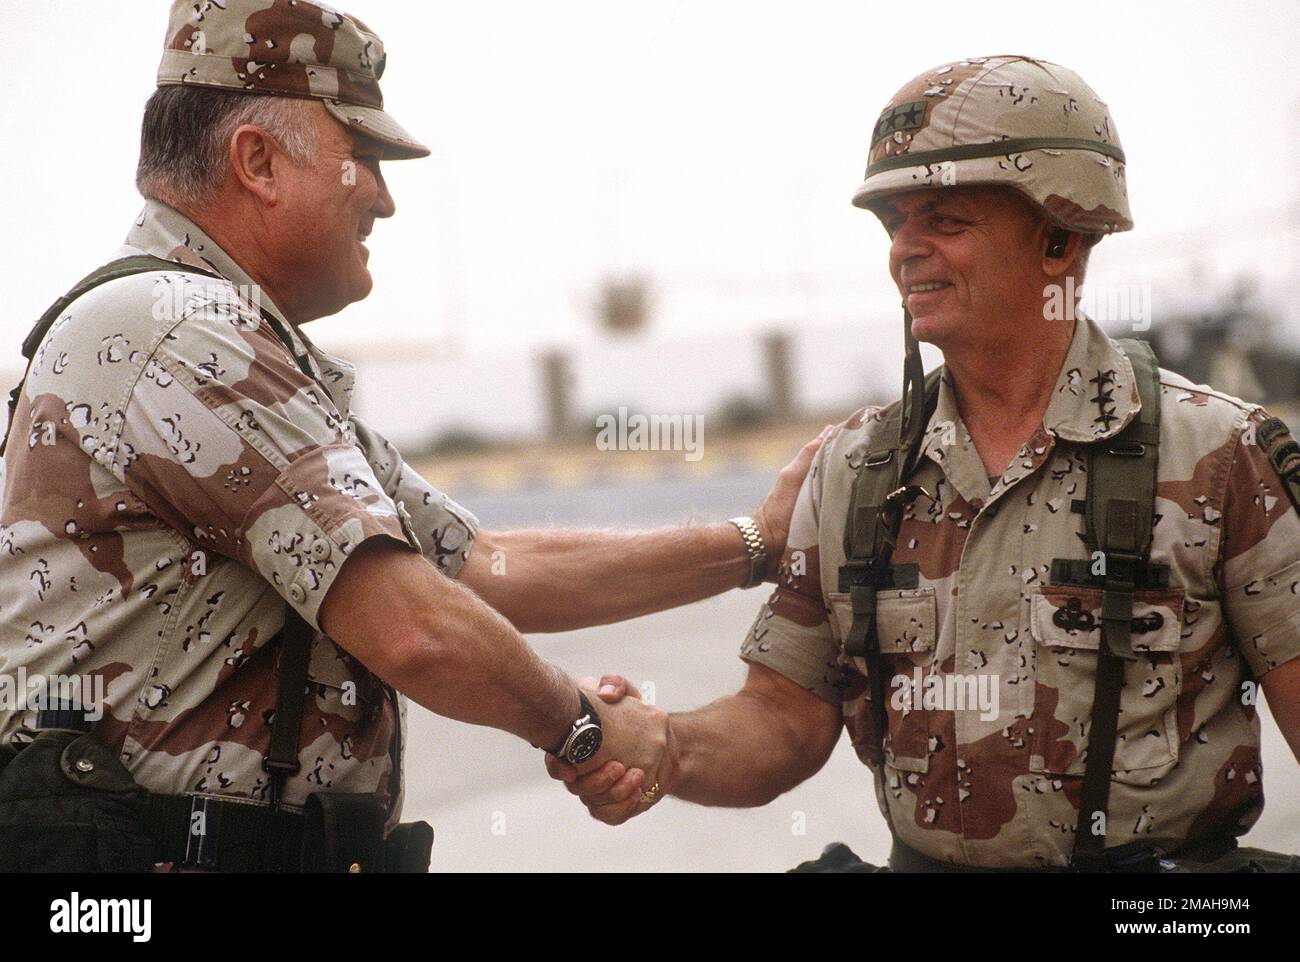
(172, 480)
(1003, 791)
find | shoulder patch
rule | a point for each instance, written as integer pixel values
(1274, 438)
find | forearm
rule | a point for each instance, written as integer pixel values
(741, 752)
(484, 672)
(437, 643)
(561, 580)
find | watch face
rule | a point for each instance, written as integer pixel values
(586, 742)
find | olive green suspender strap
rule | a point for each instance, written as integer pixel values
(1118, 517)
(875, 510)
(281, 759)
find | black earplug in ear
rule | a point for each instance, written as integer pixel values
(1057, 238)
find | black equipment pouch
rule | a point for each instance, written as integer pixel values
(67, 804)
(343, 833)
(409, 848)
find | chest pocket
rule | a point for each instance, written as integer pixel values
(906, 627)
(1066, 624)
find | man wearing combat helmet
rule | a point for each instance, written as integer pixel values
(1114, 549)
(194, 520)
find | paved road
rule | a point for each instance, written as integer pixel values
(494, 808)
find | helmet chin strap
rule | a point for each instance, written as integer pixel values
(912, 426)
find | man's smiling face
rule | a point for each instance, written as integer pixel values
(967, 261)
(331, 206)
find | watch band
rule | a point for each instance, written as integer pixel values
(587, 715)
(754, 547)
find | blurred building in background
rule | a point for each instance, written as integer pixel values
(1235, 345)
(435, 402)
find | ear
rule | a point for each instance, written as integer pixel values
(255, 160)
(1059, 248)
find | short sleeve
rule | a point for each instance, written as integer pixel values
(792, 634)
(444, 529)
(228, 442)
(1260, 556)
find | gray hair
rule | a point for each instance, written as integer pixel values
(185, 137)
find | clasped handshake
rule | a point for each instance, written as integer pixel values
(741, 750)
(637, 740)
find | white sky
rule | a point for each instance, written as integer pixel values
(713, 145)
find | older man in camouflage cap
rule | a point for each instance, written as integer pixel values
(194, 519)
(1041, 590)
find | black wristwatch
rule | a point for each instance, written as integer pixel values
(584, 738)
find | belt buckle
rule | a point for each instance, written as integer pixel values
(203, 832)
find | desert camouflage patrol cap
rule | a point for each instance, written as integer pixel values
(286, 48)
(1027, 124)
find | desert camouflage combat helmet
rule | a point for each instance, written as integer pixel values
(1015, 121)
(286, 48)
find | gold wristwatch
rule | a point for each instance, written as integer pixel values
(754, 547)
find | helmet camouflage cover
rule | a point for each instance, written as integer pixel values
(1013, 121)
(287, 48)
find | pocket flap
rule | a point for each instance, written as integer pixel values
(1065, 616)
(905, 620)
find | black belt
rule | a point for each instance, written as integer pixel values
(342, 832)
(197, 831)
(206, 832)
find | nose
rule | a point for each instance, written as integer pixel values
(384, 205)
(909, 241)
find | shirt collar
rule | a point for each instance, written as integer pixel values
(167, 233)
(1095, 395)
